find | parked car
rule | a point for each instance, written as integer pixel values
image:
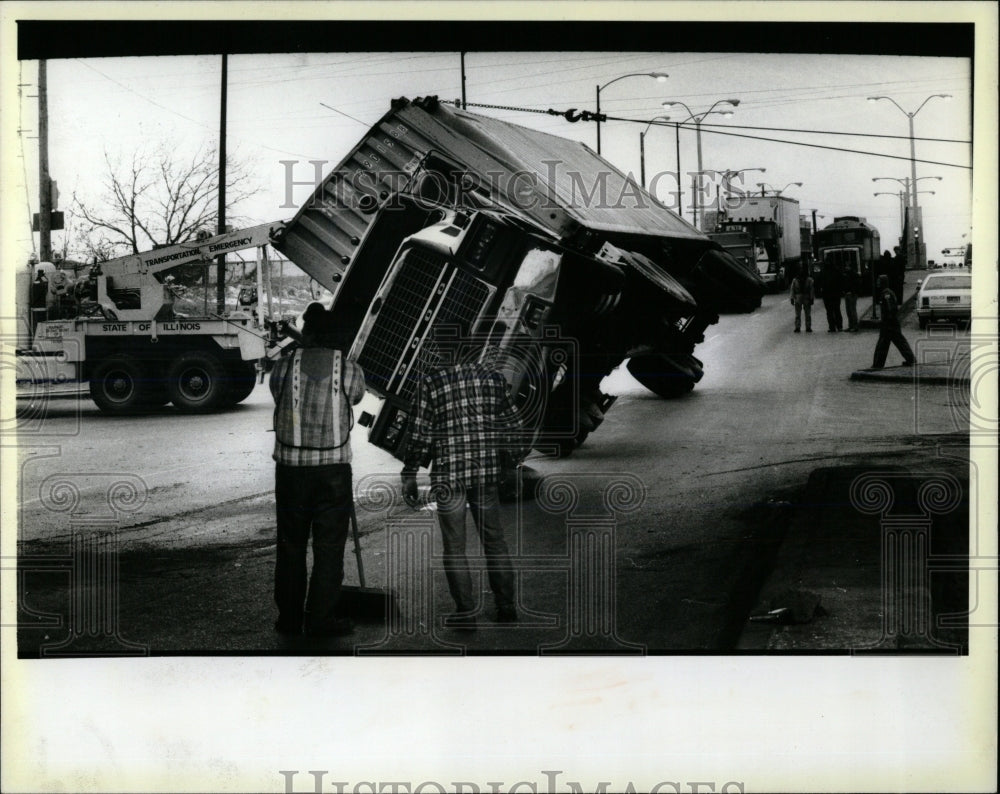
(945, 295)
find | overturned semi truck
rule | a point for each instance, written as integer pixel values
(523, 243)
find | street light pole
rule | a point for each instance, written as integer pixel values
(727, 179)
(680, 193)
(903, 196)
(764, 188)
(642, 147)
(642, 157)
(698, 118)
(910, 193)
(919, 254)
(660, 77)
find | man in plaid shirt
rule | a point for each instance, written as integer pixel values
(313, 390)
(463, 420)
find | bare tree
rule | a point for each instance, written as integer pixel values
(159, 198)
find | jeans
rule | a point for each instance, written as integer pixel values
(316, 499)
(834, 319)
(851, 307)
(807, 308)
(484, 502)
(891, 335)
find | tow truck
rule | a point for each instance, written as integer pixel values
(125, 339)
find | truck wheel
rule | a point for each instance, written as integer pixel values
(662, 376)
(242, 380)
(197, 382)
(117, 385)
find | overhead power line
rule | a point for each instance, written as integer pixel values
(586, 115)
(819, 132)
(818, 146)
(346, 115)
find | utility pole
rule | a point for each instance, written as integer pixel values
(462, 54)
(220, 286)
(44, 183)
(642, 158)
(680, 190)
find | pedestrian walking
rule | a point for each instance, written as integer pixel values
(890, 332)
(803, 293)
(313, 389)
(852, 285)
(831, 298)
(463, 423)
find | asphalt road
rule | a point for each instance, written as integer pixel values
(655, 536)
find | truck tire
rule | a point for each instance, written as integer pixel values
(590, 414)
(663, 376)
(118, 385)
(197, 382)
(242, 380)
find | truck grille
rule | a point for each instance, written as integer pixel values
(427, 292)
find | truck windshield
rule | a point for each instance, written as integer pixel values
(841, 257)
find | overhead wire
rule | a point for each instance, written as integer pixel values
(180, 115)
(822, 132)
(817, 146)
(714, 131)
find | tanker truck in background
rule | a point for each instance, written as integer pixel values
(529, 247)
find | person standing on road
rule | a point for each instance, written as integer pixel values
(463, 425)
(803, 294)
(831, 298)
(890, 332)
(852, 285)
(313, 389)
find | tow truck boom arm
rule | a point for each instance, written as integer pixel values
(193, 251)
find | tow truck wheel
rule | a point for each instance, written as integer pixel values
(117, 385)
(242, 380)
(196, 382)
(660, 376)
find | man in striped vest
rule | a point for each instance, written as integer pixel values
(313, 388)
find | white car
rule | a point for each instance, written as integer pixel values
(945, 295)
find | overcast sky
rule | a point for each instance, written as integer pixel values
(123, 105)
